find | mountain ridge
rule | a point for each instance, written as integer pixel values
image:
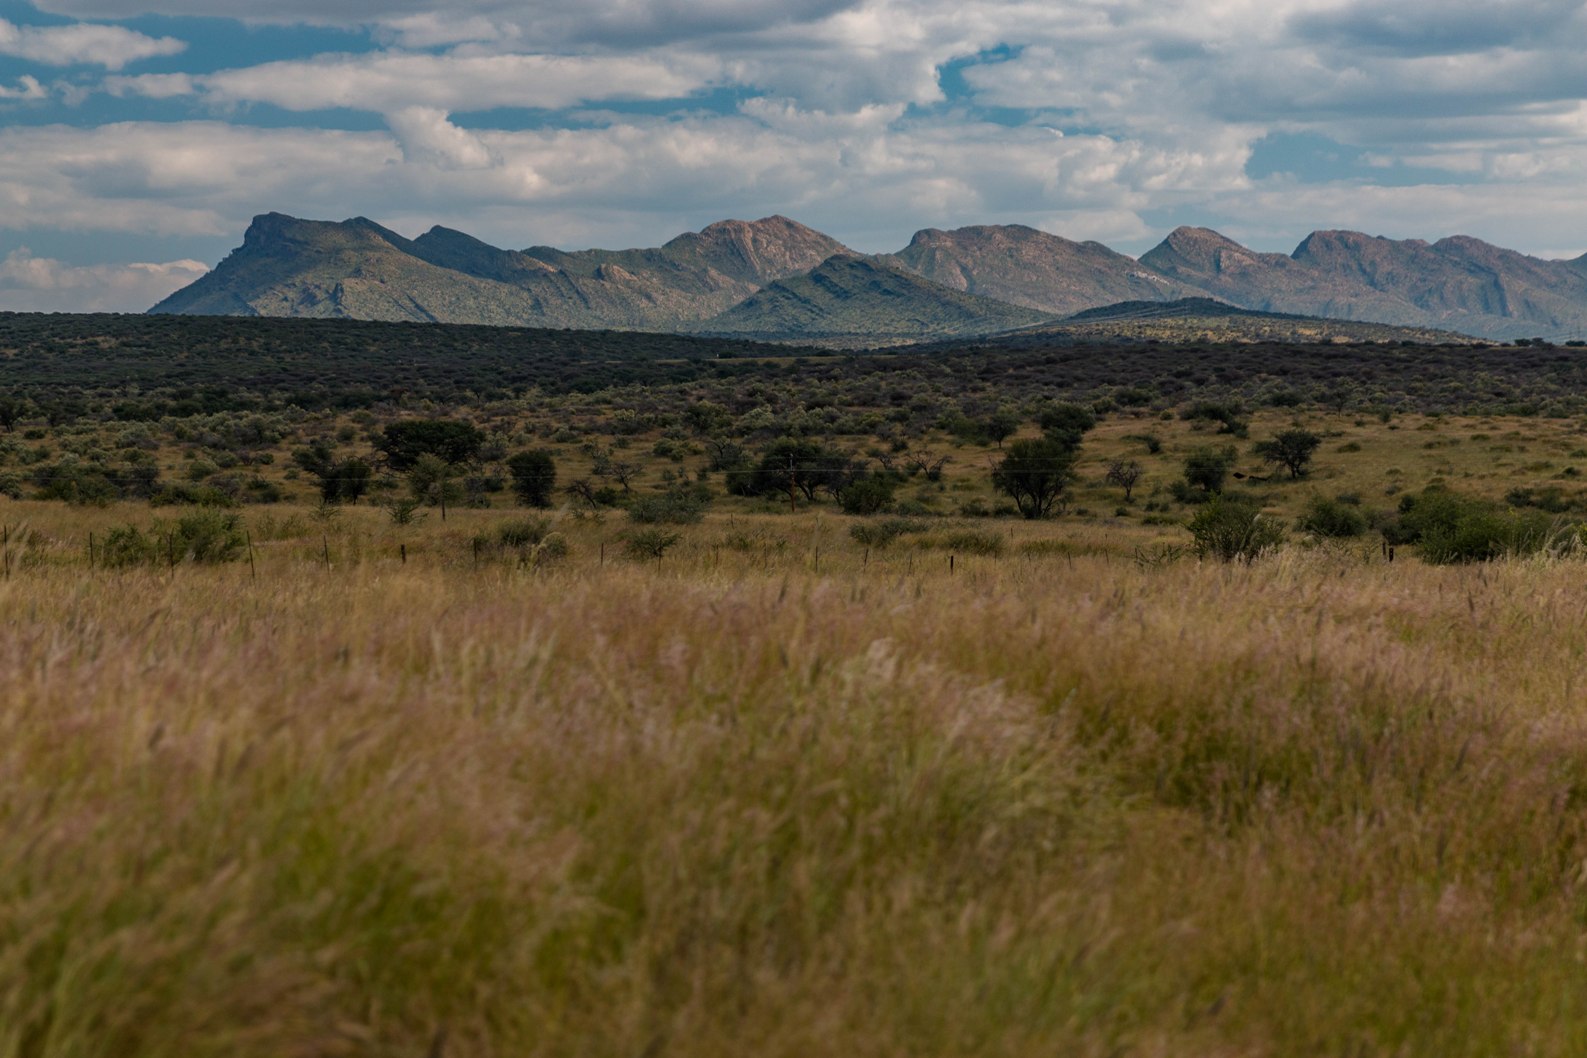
(970, 280)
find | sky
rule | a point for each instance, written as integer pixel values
(139, 137)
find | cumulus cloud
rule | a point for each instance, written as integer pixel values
(1094, 118)
(40, 284)
(109, 46)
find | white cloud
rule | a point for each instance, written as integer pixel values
(40, 284)
(388, 81)
(845, 120)
(426, 134)
(109, 46)
(27, 88)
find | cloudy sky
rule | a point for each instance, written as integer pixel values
(138, 137)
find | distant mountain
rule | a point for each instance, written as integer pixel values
(1023, 266)
(777, 279)
(1458, 283)
(357, 269)
(850, 299)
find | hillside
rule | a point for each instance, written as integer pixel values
(859, 300)
(1459, 283)
(358, 270)
(1023, 266)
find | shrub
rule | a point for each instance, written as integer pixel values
(974, 542)
(1448, 527)
(1207, 467)
(650, 543)
(1229, 529)
(1332, 518)
(868, 495)
(1066, 423)
(523, 532)
(881, 533)
(677, 506)
(127, 545)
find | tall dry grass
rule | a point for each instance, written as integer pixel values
(720, 804)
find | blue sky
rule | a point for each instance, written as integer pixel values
(138, 137)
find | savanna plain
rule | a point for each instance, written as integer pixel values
(683, 763)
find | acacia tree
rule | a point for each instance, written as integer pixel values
(1035, 474)
(1291, 449)
(1124, 473)
(449, 440)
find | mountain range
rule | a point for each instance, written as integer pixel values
(776, 279)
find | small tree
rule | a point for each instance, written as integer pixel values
(1124, 473)
(12, 409)
(1291, 449)
(1207, 467)
(795, 466)
(1035, 473)
(432, 481)
(1001, 425)
(449, 440)
(534, 477)
(350, 478)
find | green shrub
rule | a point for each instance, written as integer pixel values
(868, 495)
(1332, 518)
(127, 545)
(1448, 527)
(676, 506)
(1229, 529)
(209, 535)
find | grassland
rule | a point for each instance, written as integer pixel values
(803, 784)
(776, 792)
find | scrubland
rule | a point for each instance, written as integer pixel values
(779, 794)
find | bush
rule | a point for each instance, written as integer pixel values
(209, 535)
(1332, 518)
(677, 506)
(1448, 528)
(1229, 529)
(1207, 467)
(879, 534)
(523, 532)
(650, 543)
(868, 495)
(974, 542)
(127, 545)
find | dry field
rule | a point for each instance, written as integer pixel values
(776, 794)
